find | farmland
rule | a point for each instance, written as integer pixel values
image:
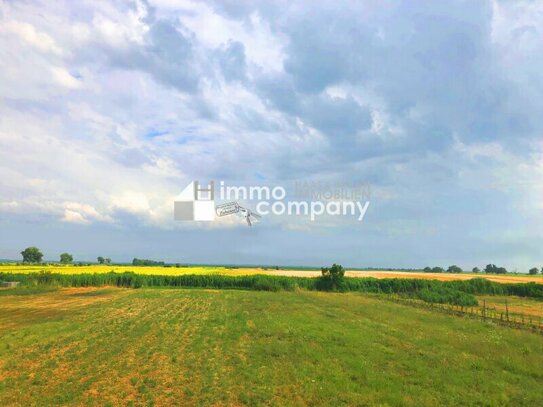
(515, 306)
(192, 346)
(233, 271)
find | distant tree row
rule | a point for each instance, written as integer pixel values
(451, 269)
(34, 255)
(146, 262)
(490, 269)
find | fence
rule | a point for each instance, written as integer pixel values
(517, 320)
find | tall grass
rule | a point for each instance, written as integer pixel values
(451, 292)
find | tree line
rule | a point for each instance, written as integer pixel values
(34, 255)
(489, 269)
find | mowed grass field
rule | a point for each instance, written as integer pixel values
(175, 271)
(231, 347)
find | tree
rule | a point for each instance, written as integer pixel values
(146, 262)
(32, 255)
(100, 259)
(454, 269)
(475, 270)
(107, 260)
(492, 268)
(427, 269)
(66, 258)
(533, 270)
(437, 270)
(333, 275)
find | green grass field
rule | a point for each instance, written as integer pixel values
(232, 347)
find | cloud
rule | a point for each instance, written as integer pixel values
(29, 34)
(232, 61)
(62, 77)
(108, 109)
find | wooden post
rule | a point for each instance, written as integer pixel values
(506, 310)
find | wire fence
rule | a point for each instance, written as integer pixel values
(482, 312)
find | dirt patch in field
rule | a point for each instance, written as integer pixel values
(19, 310)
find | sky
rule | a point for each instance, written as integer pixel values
(108, 109)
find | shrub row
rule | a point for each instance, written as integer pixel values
(451, 292)
(446, 295)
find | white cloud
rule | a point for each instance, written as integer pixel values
(88, 212)
(74, 217)
(62, 77)
(473, 151)
(263, 47)
(28, 33)
(131, 201)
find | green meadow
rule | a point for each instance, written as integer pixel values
(162, 347)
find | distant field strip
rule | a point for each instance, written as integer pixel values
(147, 270)
(177, 271)
(231, 347)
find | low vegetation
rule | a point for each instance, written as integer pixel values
(451, 292)
(146, 262)
(106, 346)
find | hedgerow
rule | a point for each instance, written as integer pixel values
(452, 292)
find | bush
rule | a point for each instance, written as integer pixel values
(332, 277)
(446, 295)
